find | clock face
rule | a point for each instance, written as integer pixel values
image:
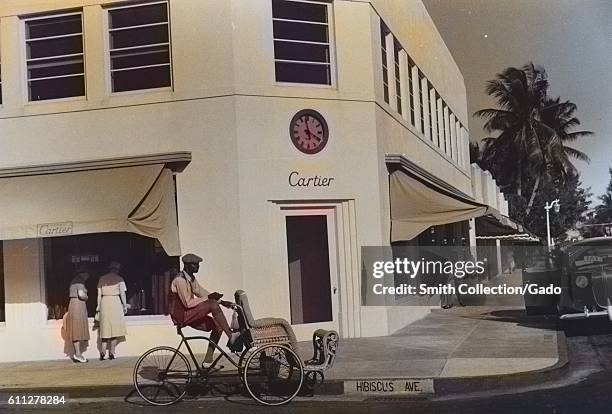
(308, 131)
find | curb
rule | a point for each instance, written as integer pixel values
(100, 391)
(442, 386)
(460, 385)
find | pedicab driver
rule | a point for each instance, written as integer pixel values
(192, 305)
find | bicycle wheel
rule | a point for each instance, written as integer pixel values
(161, 376)
(273, 374)
(242, 360)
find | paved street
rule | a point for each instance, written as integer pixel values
(566, 400)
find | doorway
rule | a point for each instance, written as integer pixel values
(309, 269)
(309, 242)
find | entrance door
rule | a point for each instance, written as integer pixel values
(312, 269)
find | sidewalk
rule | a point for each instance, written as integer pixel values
(460, 343)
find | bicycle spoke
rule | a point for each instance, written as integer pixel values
(161, 376)
(273, 374)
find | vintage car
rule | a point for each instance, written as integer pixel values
(586, 279)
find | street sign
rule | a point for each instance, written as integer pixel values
(403, 386)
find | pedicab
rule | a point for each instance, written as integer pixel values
(265, 357)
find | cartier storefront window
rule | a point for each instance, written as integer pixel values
(145, 267)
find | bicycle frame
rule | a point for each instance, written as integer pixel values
(222, 354)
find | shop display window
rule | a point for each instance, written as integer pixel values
(146, 269)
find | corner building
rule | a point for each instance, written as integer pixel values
(259, 134)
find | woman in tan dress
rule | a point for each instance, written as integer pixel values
(112, 306)
(76, 326)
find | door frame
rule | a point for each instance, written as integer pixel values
(343, 255)
(332, 248)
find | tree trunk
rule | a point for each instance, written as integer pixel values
(533, 193)
(519, 190)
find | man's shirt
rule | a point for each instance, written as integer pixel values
(190, 292)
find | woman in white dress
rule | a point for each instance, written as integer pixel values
(112, 306)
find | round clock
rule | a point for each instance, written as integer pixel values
(308, 131)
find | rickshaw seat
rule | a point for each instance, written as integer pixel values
(264, 330)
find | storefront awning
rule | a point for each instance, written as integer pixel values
(49, 202)
(419, 201)
(497, 225)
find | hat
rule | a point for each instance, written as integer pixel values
(191, 258)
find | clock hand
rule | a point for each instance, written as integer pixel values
(312, 134)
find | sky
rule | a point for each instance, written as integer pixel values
(572, 39)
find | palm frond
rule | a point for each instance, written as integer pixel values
(574, 153)
(573, 136)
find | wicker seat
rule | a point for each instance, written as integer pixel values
(265, 330)
(276, 330)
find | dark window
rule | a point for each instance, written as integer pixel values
(139, 39)
(53, 26)
(311, 52)
(140, 15)
(452, 128)
(146, 78)
(295, 72)
(446, 134)
(384, 31)
(54, 57)
(301, 42)
(291, 10)
(436, 119)
(141, 36)
(420, 100)
(308, 32)
(145, 267)
(411, 96)
(398, 89)
(56, 88)
(431, 119)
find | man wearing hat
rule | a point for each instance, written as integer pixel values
(191, 304)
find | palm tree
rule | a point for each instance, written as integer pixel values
(475, 153)
(557, 119)
(533, 130)
(519, 94)
(603, 212)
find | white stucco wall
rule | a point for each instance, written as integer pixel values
(226, 109)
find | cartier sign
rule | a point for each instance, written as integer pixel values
(55, 229)
(297, 180)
